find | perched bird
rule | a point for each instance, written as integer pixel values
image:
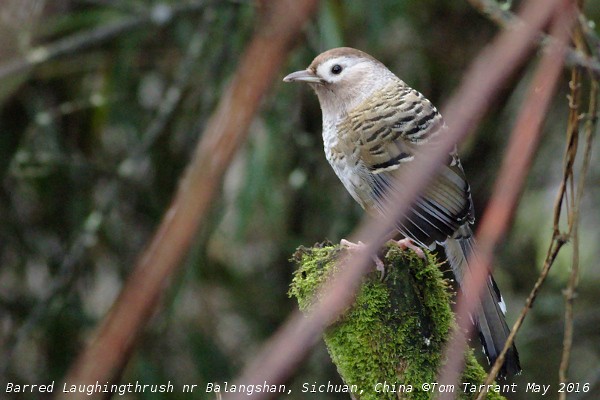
(373, 125)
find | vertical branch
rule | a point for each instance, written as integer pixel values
(572, 138)
(590, 125)
(225, 132)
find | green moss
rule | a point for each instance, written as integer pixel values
(474, 374)
(396, 329)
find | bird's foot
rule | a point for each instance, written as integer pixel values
(355, 246)
(408, 244)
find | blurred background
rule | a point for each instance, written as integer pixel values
(92, 144)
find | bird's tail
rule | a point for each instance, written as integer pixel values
(489, 319)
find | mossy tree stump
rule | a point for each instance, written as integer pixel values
(395, 332)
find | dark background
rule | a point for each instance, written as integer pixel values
(89, 161)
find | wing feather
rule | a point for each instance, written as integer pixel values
(392, 138)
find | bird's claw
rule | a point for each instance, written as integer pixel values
(354, 246)
(406, 243)
(351, 245)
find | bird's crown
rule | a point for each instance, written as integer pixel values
(342, 56)
(343, 64)
(343, 78)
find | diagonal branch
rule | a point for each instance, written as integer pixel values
(225, 132)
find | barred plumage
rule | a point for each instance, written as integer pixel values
(373, 124)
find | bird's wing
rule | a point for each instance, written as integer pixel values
(393, 131)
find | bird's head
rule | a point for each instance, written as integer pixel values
(343, 78)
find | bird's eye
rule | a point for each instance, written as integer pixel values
(336, 69)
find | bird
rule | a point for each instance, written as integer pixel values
(374, 125)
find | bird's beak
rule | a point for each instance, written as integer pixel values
(305, 75)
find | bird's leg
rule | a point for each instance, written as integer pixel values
(354, 246)
(406, 243)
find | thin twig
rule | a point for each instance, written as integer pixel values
(524, 140)
(570, 294)
(224, 134)
(506, 19)
(572, 132)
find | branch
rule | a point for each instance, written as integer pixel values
(227, 129)
(590, 128)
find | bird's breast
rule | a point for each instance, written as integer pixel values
(344, 158)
